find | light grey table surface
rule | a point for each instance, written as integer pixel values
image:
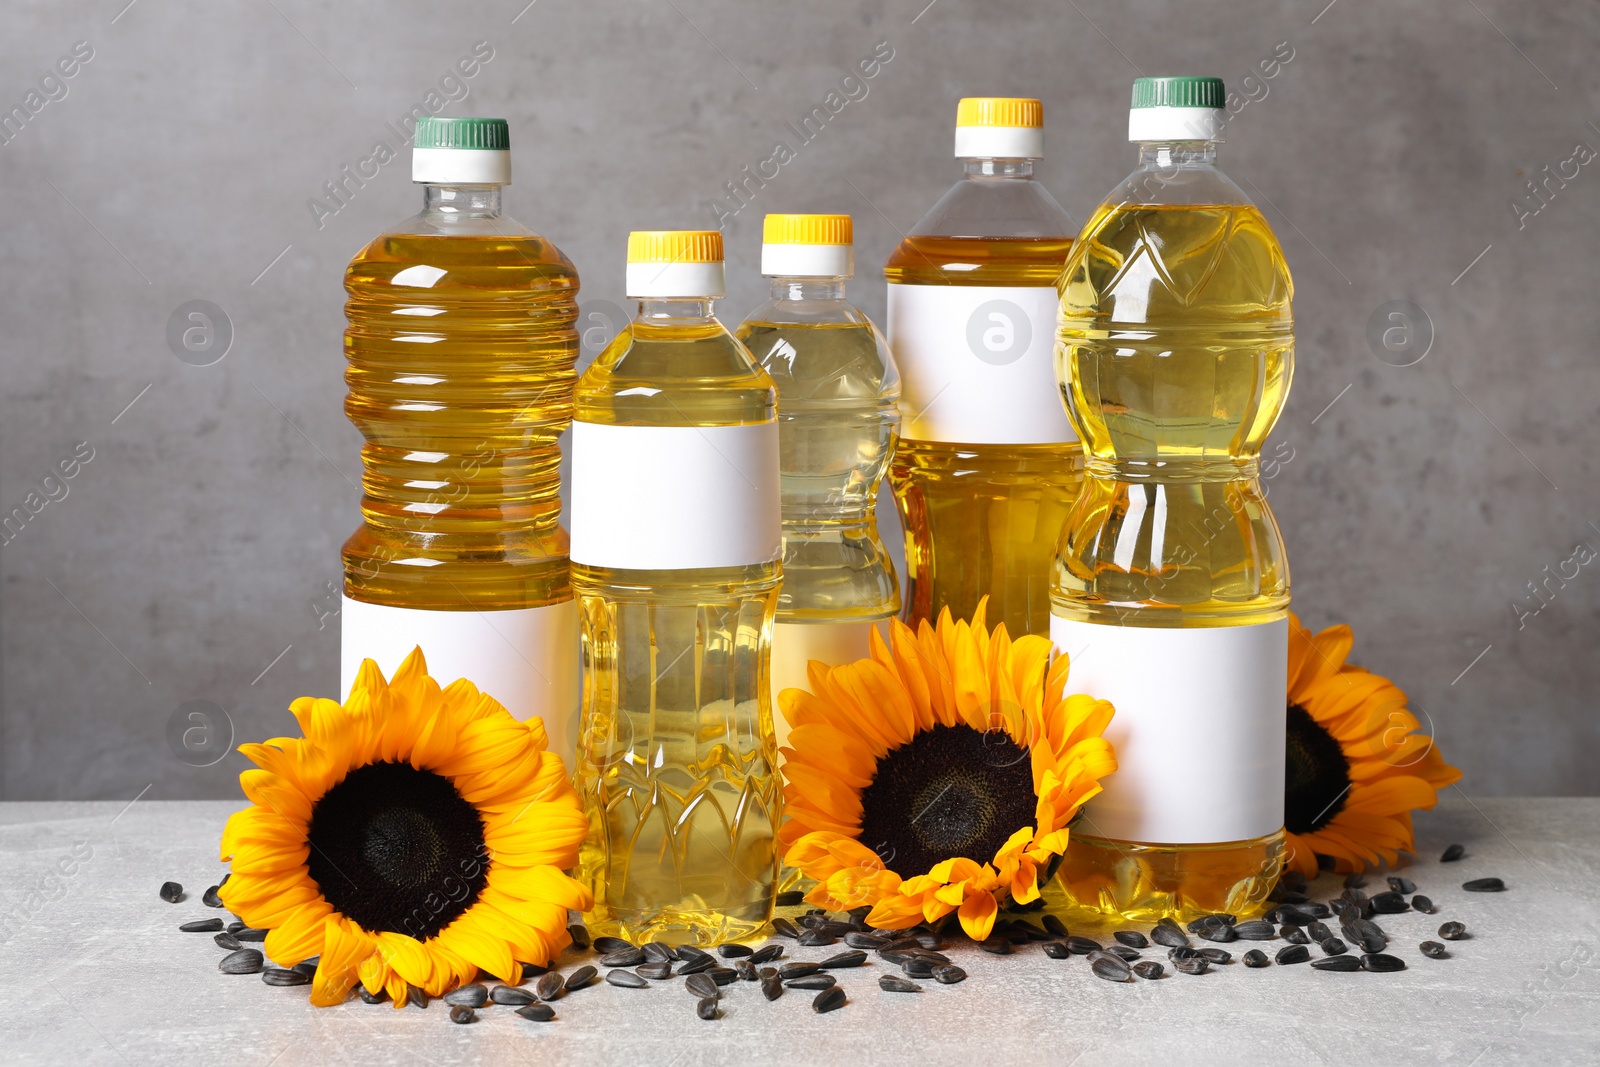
(93, 970)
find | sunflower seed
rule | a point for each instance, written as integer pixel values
(627, 957)
(1293, 954)
(918, 968)
(201, 926)
(1319, 932)
(1099, 954)
(171, 892)
(210, 897)
(1255, 958)
(659, 952)
(827, 926)
(766, 953)
(797, 969)
(1292, 916)
(626, 979)
(1295, 935)
(1112, 969)
(893, 983)
(1423, 904)
(721, 975)
(702, 985)
(1484, 885)
(539, 1013)
(580, 936)
(813, 981)
(697, 964)
(1382, 962)
(1363, 930)
(1130, 954)
(371, 998)
(828, 1000)
(1169, 936)
(1337, 963)
(1182, 953)
(1149, 969)
(580, 977)
(1453, 853)
(1349, 913)
(949, 974)
(235, 926)
(1082, 946)
(862, 939)
(1332, 946)
(248, 933)
(1401, 885)
(604, 944)
(242, 961)
(746, 971)
(733, 950)
(285, 976)
(1055, 926)
(998, 946)
(551, 986)
(1192, 965)
(1056, 950)
(816, 938)
(510, 994)
(1316, 910)
(1433, 950)
(1132, 938)
(1390, 903)
(1218, 932)
(1194, 926)
(707, 1008)
(227, 941)
(474, 995)
(853, 958)
(1453, 931)
(662, 970)
(772, 987)
(784, 928)
(1216, 955)
(1255, 930)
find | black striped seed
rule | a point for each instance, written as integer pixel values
(853, 958)
(766, 954)
(171, 892)
(605, 944)
(1453, 853)
(813, 981)
(1453, 931)
(201, 926)
(949, 974)
(279, 976)
(658, 972)
(510, 994)
(475, 995)
(1112, 969)
(1148, 969)
(581, 977)
(1433, 950)
(772, 987)
(1334, 947)
(1293, 954)
(1256, 958)
(707, 1008)
(228, 941)
(733, 950)
(829, 1000)
(1255, 930)
(1132, 938)
(1484, 885)
(1382, 962)
(893, 983)
(243, 961)
(702, 985)
(1192, 965)
(625, 979)
(1056, 950)
(550, 986)
(539, 1013)
(1337, 963)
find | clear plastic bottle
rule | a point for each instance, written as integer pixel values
(676, 547)
(987, 464)
(1171, 590)
(462, 353)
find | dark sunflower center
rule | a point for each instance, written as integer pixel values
(951, 791)
(1316, 774)
(395, 848)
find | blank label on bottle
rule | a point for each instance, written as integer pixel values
(976, 364)
(675, 497)
(526, 658)
(1198, 730)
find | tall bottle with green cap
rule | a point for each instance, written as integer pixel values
(1174, 352)
(462, 355)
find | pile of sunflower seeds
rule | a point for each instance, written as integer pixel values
(916, 954)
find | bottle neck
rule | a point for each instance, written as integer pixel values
(997, 168)
(677, 309)
(1167, 155)
(807, 288)
(462, 201)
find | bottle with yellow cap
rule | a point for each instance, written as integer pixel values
(987, 463)
(461, 358)
(676, 547)
(838, 394)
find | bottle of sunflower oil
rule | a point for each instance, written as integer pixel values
(676, 549)
(1171, 588)
(987, 464)
(838, 394)
(462, 353)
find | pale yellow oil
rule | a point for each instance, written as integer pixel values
(461, 389)
(676, 761)
(981, 520)
(1176, 344)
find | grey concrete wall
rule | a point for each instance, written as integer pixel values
(191, 558)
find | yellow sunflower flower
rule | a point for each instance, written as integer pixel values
(413, 837)
(1356, 766)
(939, 774)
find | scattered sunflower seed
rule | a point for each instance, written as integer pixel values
(1112, 969)
(797, 969)
(1216, 955)
(1219, 919)
(784, 928)
(1402, 885)
(733, 950)
(242, 961)
(1293, 954)
(853, 958)
(604, 944)
(1132, 938)
(1192, 965)
(1484, 885)
(1182, 953)
(745, 970)
(702, 985)
(772, 987)
(228, 941)
(1256, 958)
(721, 975)
(1333, 947)
(1337, 963)
(1101, 953)
(828, 1000)
(1423, 904)
(697, 964)
(475, 995)
(1056, 950)
(769, 952)
(1131, 954)
(1318, 932)
(580, 936)
(210, 897)
(862, 939)
(460, 1013)
(1433, 950)
(1255, 930)
(790, 898)
(1295, 935)
(551, 986)
(510, 994)
(1169, 936)
(813, 981)
(949, 974)
(626, 979)
(893, 983)
(1082, 946)
(998, 946)
(660, 952)
(368, 997)
(662, 970)
(1218, 932)
(248, 933)
(201, 926)
(285, 977)
(625, 957)
(235, 926)
(1055, 926)
(581, 977)
(1149, 969)
(707, 1008)
(1453, 853)
(539, 1013)
(1382, 962)
(917, 968)
(1390, 903)
(816, 938)
(1453, 931)
(415, 995)
(171, 892)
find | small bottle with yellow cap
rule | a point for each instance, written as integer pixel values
(676, 547)
(838, 395)
(987, 464)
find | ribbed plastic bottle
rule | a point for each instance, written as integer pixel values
(1171, 591)
(987, 464)
(676, 549)
(461, 354)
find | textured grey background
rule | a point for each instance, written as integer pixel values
(191, 557)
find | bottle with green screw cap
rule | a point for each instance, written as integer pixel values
(1174, 353)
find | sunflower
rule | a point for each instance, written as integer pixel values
(1355, 766)
(939, 774)
(413, 837)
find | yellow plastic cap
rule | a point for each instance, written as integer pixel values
(808, 230)
(1014, 111)
(675, 246)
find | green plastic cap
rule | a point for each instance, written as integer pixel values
(1179, 92)
(437, 131)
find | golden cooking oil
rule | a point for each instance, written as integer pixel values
(676, 564)
(461, 353)
(1171, 587)
(987, 464)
